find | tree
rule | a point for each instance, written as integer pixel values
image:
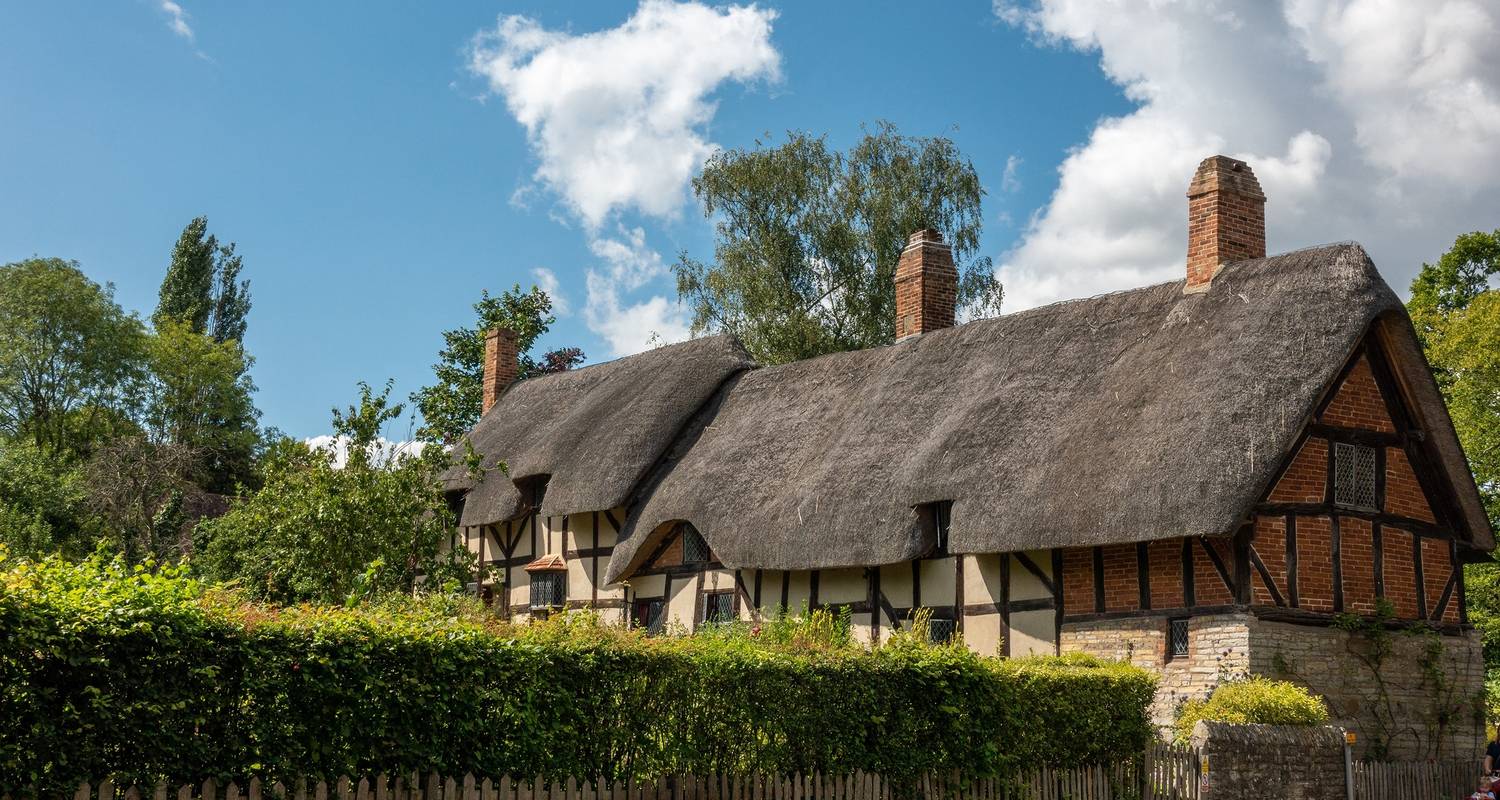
(202, 287)
(807, 240)
(1457, 316)
(70, 357)
(450, 407)
(43, 506)
(198, 398)
(130, 480)
(323, 533)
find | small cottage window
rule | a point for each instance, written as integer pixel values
(1354, 476)
(694, 549)
(941, 631)
(941, 517)
(650, 615)
(1177, 638)
(718, 607)
(548, 590)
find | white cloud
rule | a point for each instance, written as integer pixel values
(617, 117)
(628, 266)
(1011, 180)
(546, 280)
(1374, 120)
(177, 19)
(383, 450)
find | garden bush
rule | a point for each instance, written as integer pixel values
(140, 674)
(1252, 700)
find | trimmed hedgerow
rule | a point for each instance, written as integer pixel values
(139, 675)
(1252, 700)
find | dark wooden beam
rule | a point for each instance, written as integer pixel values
(1223, 571)
(872, 576)
(813, 579)
(1188, 597)
(1335, 538)
(594, 573)
(1098, 579)
(1143, 573)
(757, 590)
(1031, 567)
(1057, 595)
(1291, 560)
(1265, 577)
(1005, 604)
(613, 523)
(1416, 561)
(1368, 438)
(916, 584)
(786, 591)
(958, 592)
(1447, 595)
(1377, 544)
(1240, 547)
(1416, 526)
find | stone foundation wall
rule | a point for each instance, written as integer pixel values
(1412, 717)
(1264, 761)
(1218, 646)
(1402, 715)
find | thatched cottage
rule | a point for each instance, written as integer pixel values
(1197, 476)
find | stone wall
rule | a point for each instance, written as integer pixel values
(1218, 646)
(1264, 761)
(1403, 715)
(1412, 718)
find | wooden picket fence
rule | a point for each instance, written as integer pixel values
(1166, 773)
(1429, 780)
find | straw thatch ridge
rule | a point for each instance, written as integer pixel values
(1125, 417)
(594, 430)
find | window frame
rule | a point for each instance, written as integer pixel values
(708, 603)
(559, 582)
(653, 625)
(1349, 461)
(691, 535)
(1174, 654)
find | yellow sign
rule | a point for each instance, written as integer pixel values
(1349, 738)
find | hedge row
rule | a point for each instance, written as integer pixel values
(109, 671)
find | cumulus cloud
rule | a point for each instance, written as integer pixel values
(629, 265)
(1374, 120)
(617, 117)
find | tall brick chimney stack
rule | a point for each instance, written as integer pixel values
(1226, 219)
(500, 365)
(926, 285)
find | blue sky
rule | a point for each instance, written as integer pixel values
(378, 165)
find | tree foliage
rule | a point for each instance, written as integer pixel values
(198, 399)
(1457, 315)
(451, 405)
(807, 240)
(320, 532)
(43, 506)
(70, 357)
(202, 287)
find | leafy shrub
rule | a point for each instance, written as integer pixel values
(1253, 700)
(135, 674)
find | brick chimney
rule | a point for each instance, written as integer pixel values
(500, 365)
(1226, 219)
(926, 285)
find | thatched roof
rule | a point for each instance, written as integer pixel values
(1126, 417)
(594, 430)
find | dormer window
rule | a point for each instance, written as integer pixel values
(694, 549)
(549, 583)
(1354, 476)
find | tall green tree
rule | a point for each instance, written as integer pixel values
(451, 405)
(807, 239)
(1456, 311)
(318, 531)
(198, 397)
(43, 506)
(202, 287)
(70, 357)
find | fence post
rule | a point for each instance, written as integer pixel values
(1349, 739)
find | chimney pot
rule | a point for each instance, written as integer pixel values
(926, 285)
(501, 366)
(1226, 219)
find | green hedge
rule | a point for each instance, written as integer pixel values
(108, 671)
(1253, 700)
